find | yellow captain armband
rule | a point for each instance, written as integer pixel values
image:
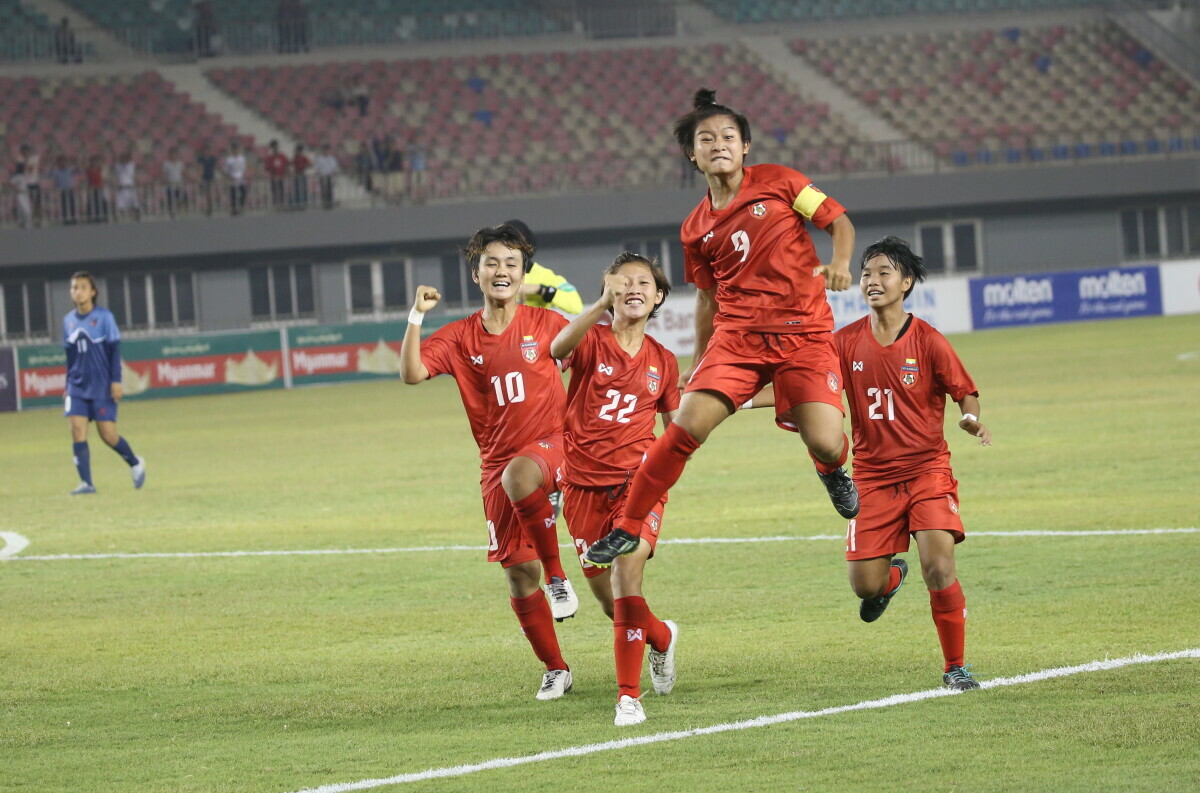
(808, 202)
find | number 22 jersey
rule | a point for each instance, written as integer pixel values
(510, 386)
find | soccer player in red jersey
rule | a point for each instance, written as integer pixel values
(513, 393)
(898, 371)
(761, 313)
(620, 380)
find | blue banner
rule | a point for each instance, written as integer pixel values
(1065, 297)
(8, 380)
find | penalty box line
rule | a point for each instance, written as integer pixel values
(761, 721)
(16, 543)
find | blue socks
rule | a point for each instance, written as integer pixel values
(122, 448)
(83, 461)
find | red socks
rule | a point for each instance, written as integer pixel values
(536, 514)
(950, 617)
(893, 580)
(633, 626)
(662, 468)
(829, 468)
(533, 612)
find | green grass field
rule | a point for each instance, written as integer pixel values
(278, 673)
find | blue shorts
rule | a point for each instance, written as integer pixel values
(92, 409)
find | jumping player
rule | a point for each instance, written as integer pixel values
(761, 313)
(620, 380)
(93, 346)
(515, 401)
(898, 371)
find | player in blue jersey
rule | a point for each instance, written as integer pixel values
(93, 346)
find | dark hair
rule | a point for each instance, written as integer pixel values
(85, 274)
(899, 253)
(704, 106)
(660, 278)
(526, 232)
(505, 233)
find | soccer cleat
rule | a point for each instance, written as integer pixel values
(84, 489)
(563, 600)
(617, 542)
(138, 472)
(959, 679)
(842, 492)
(556, 499)
(871, 609)
(662, 665)
(555, 683)
(629, 712)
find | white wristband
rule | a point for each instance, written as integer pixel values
(970, 417)
(415, 317)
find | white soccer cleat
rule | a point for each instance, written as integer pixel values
(563, 600)
(83, 489)
(138, 472)
(662, 665)
(555, 683)
(629, 712)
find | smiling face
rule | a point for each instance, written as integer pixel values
(641, 294)
(883, 282)
(717, 146)
(500, 272)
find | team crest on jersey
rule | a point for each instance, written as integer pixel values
(953, 506)
(653, 378)
(832, 382)
(529, 348)
(653, 520)
(909, 371)
(758, 210)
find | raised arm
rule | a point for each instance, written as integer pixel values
(412, 371)
(569, 337)
(706, 310)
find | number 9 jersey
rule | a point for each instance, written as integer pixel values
(897, 398)
(510, 386)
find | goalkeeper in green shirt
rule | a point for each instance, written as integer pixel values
(543, 287)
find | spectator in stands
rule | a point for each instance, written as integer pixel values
(235, 170)
(300, 167)
(97, 198)
(327, 168)
(173, 169)
(208, 174)
(391, 164)
(32, 161)
(63, 177)
(20, 183)
(358, 95)
(416, 171)
(66, 49)
(292, 18)
(205, 26)
(365, 166)
(276, 166)
(125, 175)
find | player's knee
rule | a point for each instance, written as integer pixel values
(520, 478)
(938, 572)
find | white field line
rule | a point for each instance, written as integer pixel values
(21, 542)
(13, 544)
(761, 721)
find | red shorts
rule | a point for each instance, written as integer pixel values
(888, 515)
(803, 366)
(591, 512)
(507, 543)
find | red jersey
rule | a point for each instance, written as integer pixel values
(510, 386)
(612, 403)
(758, 254)
(276, 164)
(897, 399)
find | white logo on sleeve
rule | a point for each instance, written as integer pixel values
(856, 366)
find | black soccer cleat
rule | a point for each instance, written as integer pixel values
(871, 609)
(959, 679)
(842, 492)
(617, 542)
